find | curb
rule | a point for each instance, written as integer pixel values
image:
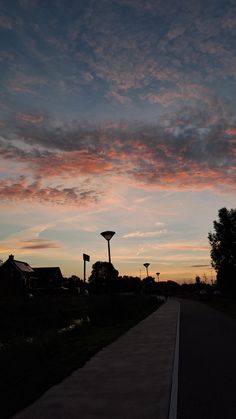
(173, 408)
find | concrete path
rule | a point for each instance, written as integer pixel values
(207, 363)
(131, 378)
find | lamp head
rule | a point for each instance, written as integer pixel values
(146, 265)
(108, 234)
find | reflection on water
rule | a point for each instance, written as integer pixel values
(67, 328)
(29, 340)
(76, 323)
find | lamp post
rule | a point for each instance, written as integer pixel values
(146, 266)
(86, 258)
(158, 274)
(108, 235)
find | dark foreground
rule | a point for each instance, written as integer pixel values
(207, 365)
(44, 340)
(129, 379)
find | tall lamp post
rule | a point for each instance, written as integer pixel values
(146, 266)
(108, 235)
(86, 258)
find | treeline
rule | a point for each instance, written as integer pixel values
(223, 250)
(105, 279)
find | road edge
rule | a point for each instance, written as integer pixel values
(173, 407)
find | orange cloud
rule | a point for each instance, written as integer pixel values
(183, 152)
(32, 119)
(22, 190)
(70, 163)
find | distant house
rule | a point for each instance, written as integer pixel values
(16, 276)
(49, 278)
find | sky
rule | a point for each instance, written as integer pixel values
(116, 115)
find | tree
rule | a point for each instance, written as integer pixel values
(149, 284)
(223, 249)
(197, 280)
(102, 277)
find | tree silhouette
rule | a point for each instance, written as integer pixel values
(102, 277)
(223, 249)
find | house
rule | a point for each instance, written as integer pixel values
(48, 278)
(16, 276)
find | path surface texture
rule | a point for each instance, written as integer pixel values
(207, 363)
(131, 378)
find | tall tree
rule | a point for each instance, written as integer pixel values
(102, 277)
(223, 249)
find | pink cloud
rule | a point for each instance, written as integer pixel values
(184, 151)
(145, 234)
(70, 163)
(32, 119)
(23, 190)
(231, 131)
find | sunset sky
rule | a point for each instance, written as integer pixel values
(116, 115)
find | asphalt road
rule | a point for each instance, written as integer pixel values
(207, 363)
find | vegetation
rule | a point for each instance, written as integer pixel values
(103, 277)
(223, 250)
(223, 304)
(45, 338)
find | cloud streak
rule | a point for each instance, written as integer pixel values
(38, 244)
(145, 234)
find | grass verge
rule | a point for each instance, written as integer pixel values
(223, 304)
(45, 340)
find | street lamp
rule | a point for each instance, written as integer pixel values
(108, 235)
(146, 266)
(158, 274)
(86, 258)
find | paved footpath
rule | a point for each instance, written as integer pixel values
(207, 363)
(129, 379)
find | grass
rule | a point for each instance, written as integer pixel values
(223, 304)
(34, 355)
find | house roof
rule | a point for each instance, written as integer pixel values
(48, 271)
(19, 265)
(23, 266)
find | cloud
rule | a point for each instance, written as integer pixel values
(231, 131)
(200, 266)
(195, 247)
(37, 244)
(5, 22)
(28, 4)
(186, 149)
(23, 190)
(156, 57)
(145, 234)
(27, 239)
(118, 97)
(31, 118)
